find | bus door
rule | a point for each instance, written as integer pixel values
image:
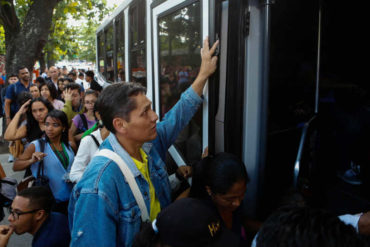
(179, 27)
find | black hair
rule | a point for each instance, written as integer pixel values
(62, 117)
(33, 129)
(62, 79)
(90, 73)
(80, 74)
(53, 91)
(72, 73)
(23, 97)
(20, 68)
(146, 237)
(220, 173)
(40, 80)
(91, 92)
(116, 101)
(306, 227)
(73, 86)
(40, 197)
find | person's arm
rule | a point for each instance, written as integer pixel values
(84, 154)
(73, 129)
(180, 115)
(12, 132)
(364, 224)
(28, 157)
(99, 228)
(67, 108)
(7, 110)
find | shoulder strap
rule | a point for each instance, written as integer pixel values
(40, 169)
(84, 121)
(95, 140)
(130, 179)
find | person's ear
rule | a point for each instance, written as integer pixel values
(39, 215)
(120, 125)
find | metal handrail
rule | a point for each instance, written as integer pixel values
(300, 149)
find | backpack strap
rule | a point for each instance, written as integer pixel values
(130, 179)
(95, 140)
(84, 121)
(40, 169)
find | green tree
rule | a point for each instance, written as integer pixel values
(31, 24)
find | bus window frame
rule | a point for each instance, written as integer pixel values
(158, 11)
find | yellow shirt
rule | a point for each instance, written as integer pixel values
(155, 207)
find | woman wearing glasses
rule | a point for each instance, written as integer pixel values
(57, 156)
(83, 122)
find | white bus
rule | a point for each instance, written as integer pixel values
(262, 103)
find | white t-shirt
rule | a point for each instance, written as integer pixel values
(84, 154)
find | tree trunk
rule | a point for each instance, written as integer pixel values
(25, 43)
(42, 62)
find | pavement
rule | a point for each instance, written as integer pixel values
(23, 240)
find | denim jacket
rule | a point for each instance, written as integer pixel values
(102, 209)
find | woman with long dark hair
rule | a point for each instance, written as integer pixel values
(50, 93)
(57, 156)
(36, 111)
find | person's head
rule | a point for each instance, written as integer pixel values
(34, 90)
(38, 109)
(125, 110)
(61, 84)
(23, 74)
(223, 178)
(304, 227)
(53, 73)
(66, 81)
(81, 76)
(12, 79)
(48, 91)
(39, 80)
(89, 75)
(76, 93)
(89, 99)
(23, 97)
(187, 222)
(72, 75)
(56, 126)
(30, 208)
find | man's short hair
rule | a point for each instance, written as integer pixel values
(90, 73)
(80, 74)
(73, 86)
(72, 73)
(20, 68)
(40, 197)
(304, 227)
(116, 101)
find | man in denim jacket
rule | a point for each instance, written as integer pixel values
(102, 209)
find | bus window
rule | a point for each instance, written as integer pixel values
(120, 41)
(137, 42)
(101, 53)
(109, 53)
(179, 61)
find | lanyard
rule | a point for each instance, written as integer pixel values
(63, 156)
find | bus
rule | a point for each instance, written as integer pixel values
(285, 70)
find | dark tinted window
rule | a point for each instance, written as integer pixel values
(137, 42)
(120, 36)
(101, 53)
(179, 61)
(109, 53)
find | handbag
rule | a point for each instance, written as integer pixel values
(130, 179)
(40, 179)
(16, 148)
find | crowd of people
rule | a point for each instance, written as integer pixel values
(100, 157)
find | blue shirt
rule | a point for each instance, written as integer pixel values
(12, 92)
(53, 232)
(102, 209)
(54, 170)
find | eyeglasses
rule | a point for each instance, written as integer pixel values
(16, 214)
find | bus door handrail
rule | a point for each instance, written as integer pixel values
(300, 149)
